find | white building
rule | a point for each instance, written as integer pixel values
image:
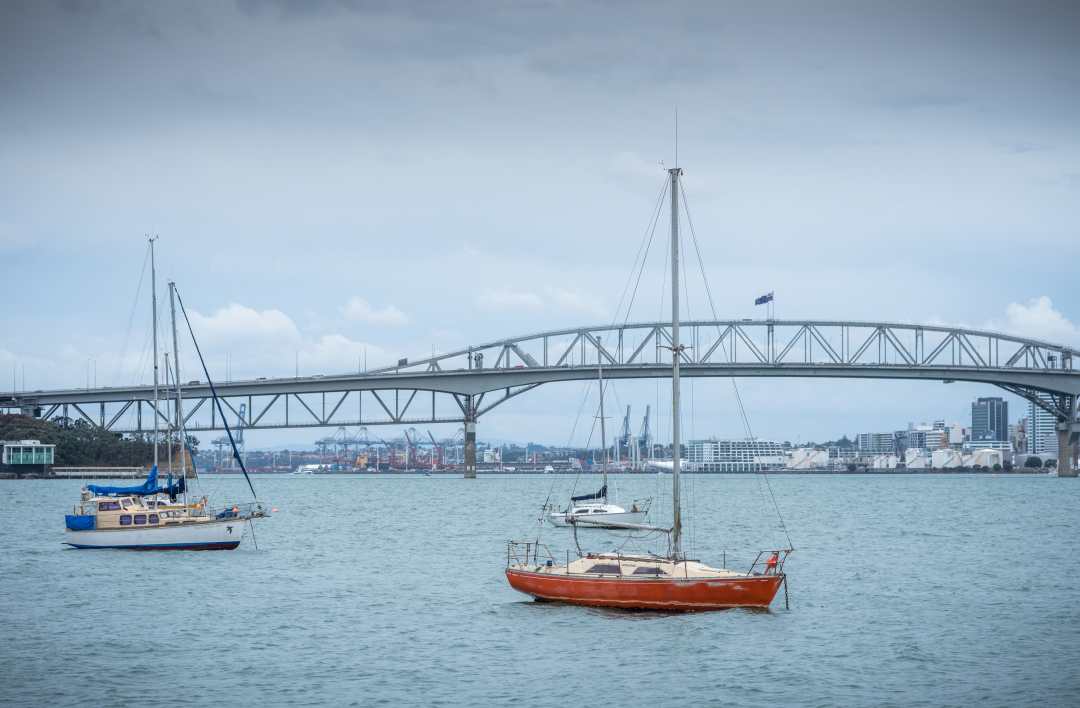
(1042, 434)
(735, 455)
(875, 443)
(26, 452)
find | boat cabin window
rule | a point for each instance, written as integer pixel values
(125, 519)
(153, 518)
(649, 571)
(108, 506)
(140, 519)
(580, 511)
(608, 568)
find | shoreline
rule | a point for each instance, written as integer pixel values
(457, 473)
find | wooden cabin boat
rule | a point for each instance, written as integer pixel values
(131, 518)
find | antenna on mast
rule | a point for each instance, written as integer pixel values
(676, 135)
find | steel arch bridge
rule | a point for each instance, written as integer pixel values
(460, 386)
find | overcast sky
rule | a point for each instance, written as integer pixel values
(334, 177)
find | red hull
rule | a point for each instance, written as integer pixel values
(670, 594)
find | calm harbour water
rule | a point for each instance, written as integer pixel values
(369, 590)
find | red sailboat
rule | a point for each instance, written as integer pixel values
(671, 581)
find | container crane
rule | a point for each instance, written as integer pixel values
(645, 434)
(436, 452)
(238, 435)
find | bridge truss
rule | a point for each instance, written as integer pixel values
(461, 386)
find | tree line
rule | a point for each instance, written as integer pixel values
(79, 443)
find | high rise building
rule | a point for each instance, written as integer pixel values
(990, 419)
(875, 443)
(1042, 432)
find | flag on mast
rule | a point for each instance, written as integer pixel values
(767, 297)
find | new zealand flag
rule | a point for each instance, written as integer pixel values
(764, 299)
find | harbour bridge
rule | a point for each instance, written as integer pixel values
(462, 386)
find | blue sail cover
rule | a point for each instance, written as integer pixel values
(150, 486)
(602, 494)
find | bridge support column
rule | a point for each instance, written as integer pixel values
(1068, 438)
(470, 438)
(1065, 467)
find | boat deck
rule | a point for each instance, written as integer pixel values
(629, 567)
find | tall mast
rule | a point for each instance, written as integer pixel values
(169, 427)
(676, 353)
(603, 428)
(179, 393)
(153, 300)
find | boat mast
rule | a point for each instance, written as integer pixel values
(603, 428)
(676, 353)
(169, 428)
(179, 393)
(153, 301)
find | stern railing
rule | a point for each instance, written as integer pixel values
(528, 553)
(769, 562)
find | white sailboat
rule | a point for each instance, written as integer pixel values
(595, 509)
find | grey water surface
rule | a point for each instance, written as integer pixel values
(389, 590)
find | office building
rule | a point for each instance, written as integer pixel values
(990, 419)
(1042, 435)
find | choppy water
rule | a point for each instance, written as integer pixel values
(905, 590)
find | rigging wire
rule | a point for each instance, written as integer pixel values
(213, 392)
(734, 385)
(712, 306)
(131, 317)
(646, 245)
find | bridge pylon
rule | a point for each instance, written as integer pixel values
(1068, 434)
(470, 438)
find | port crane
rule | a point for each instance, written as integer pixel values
(645, 434)
(238, 436)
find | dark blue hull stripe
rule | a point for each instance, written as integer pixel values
(212, 546)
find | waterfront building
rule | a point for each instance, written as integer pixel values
(1042, 436)
(27, 452)
(875, 443)
(990, 419)
(735, 455)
